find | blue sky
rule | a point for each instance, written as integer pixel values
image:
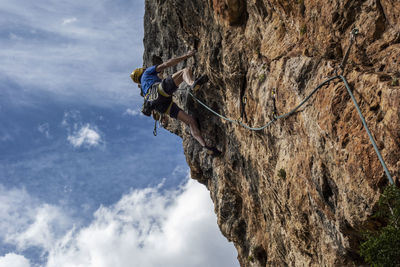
(83, 182)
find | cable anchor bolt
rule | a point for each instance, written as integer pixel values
(353, 35)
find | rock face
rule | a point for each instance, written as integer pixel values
(298, 192)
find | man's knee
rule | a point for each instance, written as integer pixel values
(168, 85)
(187, 72)
(178, 77)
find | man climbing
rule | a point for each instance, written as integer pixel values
(158, 93)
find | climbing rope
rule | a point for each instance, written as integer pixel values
(371, 138)
(211, 110)
(353, 36)
(239, 122)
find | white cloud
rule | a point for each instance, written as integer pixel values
(67, 21)
(44, 128)
(85, 136)
(48, 49)
(26, 222)
(16, 210)
(48, 221)
(132, 112)
(14, 260)
(71, 117)
(147, 228)
(79, 134)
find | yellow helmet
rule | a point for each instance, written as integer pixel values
(136, 74)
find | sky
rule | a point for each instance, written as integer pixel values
(83, 181)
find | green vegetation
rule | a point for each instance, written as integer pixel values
(395, 82)
(251, 258)
(261, 78)
(282, 173)
(303, 29)
(382, 247)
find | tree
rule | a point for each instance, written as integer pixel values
(382, 247)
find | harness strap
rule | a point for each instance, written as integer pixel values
(169, 108)
(161, 91)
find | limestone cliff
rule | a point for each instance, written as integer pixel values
(298, 192)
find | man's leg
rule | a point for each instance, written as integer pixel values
(183, 75)
(177, 113)
(194, 128)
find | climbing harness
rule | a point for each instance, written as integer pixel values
(353, 35)
(149, 98)
(148, 108)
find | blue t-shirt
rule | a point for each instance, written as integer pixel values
(149, 77)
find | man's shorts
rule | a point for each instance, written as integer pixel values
(164, 102)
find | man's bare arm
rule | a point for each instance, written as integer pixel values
(174, 61)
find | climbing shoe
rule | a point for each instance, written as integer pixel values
(213, 151)
(199, 82)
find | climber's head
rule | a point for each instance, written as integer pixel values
(137, 74)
